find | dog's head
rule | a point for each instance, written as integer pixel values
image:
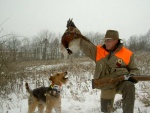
(59, 78)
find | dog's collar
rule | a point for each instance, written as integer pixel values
(56, 87)
(55, 90)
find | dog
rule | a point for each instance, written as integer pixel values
(47, 97)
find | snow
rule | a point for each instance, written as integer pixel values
(77, 95)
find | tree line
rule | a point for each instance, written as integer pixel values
(46, 45)
(139, 43)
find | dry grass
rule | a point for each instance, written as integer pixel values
(23, 64)
(12, 79)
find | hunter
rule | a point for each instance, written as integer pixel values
(112, 60)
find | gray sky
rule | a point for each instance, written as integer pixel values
(29, 17)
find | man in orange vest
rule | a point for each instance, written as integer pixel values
(112, 60)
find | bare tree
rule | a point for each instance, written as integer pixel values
(45, 46)
(96, 38)
(13, 45)
(25, 52)
(139, 43)
(132, 43)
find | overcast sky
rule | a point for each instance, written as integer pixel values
(29, 17)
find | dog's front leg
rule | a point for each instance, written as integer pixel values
(49, 103)
(58, 109)
(48, 110)
(58, 105)
(41, 107)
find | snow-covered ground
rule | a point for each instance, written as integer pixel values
(77, 95)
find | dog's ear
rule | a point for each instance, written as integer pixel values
(51, 78)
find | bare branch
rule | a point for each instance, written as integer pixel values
(4, 21)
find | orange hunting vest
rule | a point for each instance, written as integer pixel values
(123, 54)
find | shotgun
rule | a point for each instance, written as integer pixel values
(100, 83)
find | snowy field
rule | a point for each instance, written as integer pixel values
(77, 95)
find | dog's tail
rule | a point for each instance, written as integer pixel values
(27, 88)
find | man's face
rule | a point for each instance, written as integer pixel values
(110, 43)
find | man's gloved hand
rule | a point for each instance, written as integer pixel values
(130, 78)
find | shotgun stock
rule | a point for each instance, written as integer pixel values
(100, 83)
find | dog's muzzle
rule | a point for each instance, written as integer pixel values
(66, 76)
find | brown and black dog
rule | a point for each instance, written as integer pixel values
(48, 97)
